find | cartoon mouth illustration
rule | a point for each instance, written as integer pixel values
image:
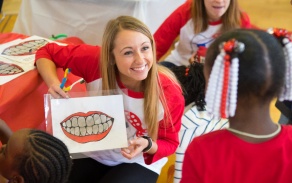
(87, 127)
(24, 48)
(9, 69)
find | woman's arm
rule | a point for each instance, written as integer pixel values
(5, 132)
(169, 30)
(82, 60)
(168, 137)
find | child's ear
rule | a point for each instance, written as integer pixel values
(16, 179)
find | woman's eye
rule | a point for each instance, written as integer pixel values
(145, 48)
(128, 53)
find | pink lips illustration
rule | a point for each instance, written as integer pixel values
(87, 127)
(9, 69)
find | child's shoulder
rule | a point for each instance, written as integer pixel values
(212, 137)
(287, 129)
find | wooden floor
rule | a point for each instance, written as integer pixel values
(269, 13)
(8, 15)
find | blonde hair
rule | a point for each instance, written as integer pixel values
(231, 19)
(153, 92)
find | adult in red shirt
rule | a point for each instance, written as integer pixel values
(197, 23)
(153, 100)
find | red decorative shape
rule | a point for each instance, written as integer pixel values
(225, 89)
(229, 45)
(227, 57)
(187, 71)
(277, 32)
(134, 120)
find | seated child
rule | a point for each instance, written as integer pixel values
(245, 70)
(32, 156)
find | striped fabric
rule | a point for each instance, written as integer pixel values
(194, 123)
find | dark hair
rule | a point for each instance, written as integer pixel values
(45, 159)
(261, 64)
(192, 81)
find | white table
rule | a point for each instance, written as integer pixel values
(86, 19)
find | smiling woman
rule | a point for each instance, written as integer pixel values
(124, 64)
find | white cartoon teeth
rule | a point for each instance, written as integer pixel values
(89, 121)
(26, 48)
(81, 122)
(89, 125)
(9, 69)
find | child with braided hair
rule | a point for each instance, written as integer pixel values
(196, 120)
(244, 72)
(33, 156)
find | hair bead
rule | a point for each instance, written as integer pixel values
(221, 95)
(284, 38)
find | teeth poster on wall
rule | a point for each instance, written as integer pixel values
(88, 124)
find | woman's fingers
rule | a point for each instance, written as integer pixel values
(57, 92)
(135, 147)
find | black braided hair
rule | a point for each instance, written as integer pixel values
(46, 159)
(192, 82)
(261, 65)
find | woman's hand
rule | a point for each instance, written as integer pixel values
(57, 92)
(135, 147)
(48, 71)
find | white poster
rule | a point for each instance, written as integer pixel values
(17, 57)
(23, 50)
(10, 70)
(89, 124)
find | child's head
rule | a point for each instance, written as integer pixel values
(192, 81)
(34, 156)
(205, 11)
(261, 68)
